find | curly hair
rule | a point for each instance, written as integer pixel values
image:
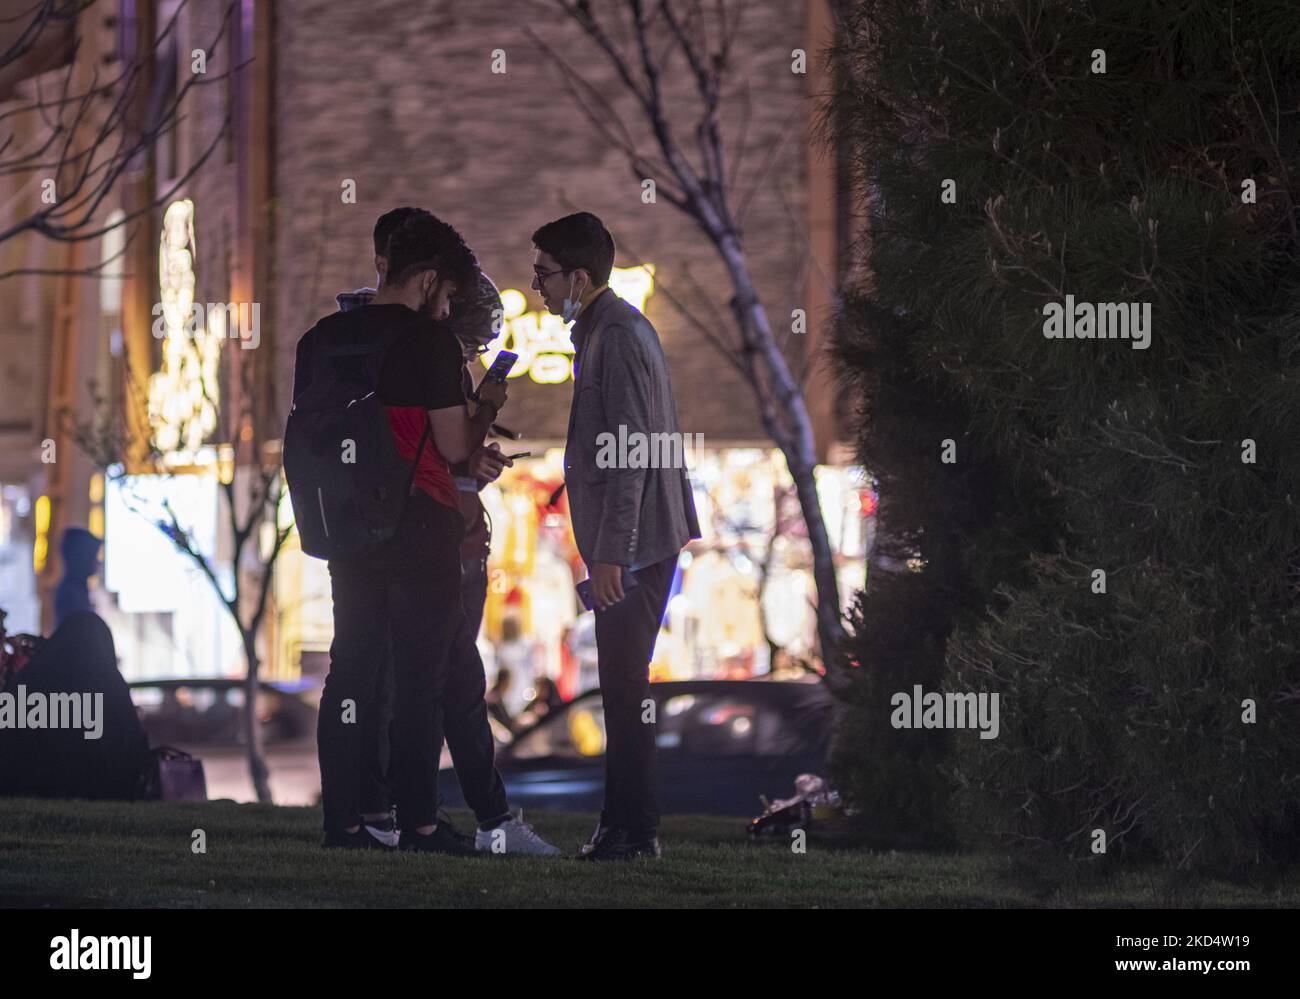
(424, 242)
(389, 221)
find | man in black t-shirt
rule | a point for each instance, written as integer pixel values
(465, 710)
(408, 586)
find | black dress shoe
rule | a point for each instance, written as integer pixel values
(617, 844)
(601, 832)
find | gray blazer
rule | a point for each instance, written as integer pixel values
(622, 515)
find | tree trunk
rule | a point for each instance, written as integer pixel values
(786, 421)
(257, 768)
(830, 624)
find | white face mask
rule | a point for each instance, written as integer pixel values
(572, 306)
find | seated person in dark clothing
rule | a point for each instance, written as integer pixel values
(68, 727)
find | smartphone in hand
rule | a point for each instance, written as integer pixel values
(496, 374)
(584, 589)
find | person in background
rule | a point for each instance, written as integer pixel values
(79, 660)
(546, 698)
(80, 550)
(496, 699)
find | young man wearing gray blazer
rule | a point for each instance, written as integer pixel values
(631, 514)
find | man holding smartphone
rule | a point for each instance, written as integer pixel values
(407, 587)
(629, 523)
(465, 723)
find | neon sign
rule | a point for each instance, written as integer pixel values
(542, 340)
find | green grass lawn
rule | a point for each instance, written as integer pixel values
(75, 854)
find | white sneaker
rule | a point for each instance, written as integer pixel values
(514, 835)
(384, 831)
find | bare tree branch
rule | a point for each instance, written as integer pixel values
(86, 179)
(90, 271)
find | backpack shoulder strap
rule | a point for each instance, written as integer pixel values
(415, 463)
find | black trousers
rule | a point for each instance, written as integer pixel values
(464, 719)
(625, 641)
(473, 588)
(407, 588)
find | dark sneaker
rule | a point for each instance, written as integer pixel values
(359, 840)
(617, 844)
(465, 839)
(444, 839)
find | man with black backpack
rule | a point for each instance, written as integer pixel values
(465, 713)
(376, 389)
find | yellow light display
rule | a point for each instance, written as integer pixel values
(41, 546)
(183, 392)
(95, 492)
(542, 340)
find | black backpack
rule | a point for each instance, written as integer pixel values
(342, 506)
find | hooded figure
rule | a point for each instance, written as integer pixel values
(80, 561)
(78, 661)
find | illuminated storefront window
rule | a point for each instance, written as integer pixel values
(167, 620)
(744, 593)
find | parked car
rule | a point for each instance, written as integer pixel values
(721, 743)
(205, 717)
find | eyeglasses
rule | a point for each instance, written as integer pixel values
(540, 276)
